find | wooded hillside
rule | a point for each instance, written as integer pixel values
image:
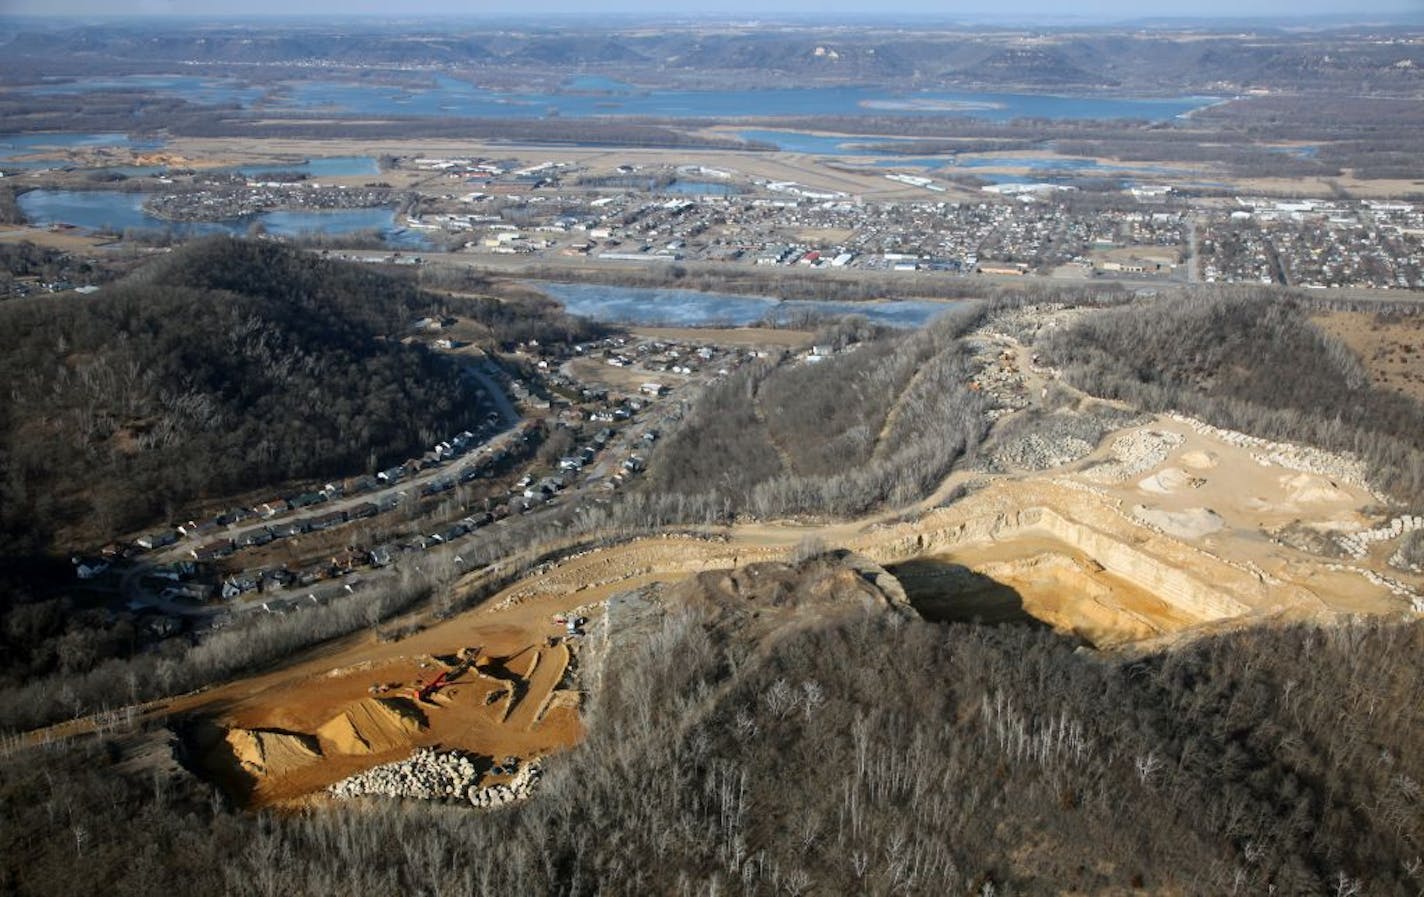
(223, 367)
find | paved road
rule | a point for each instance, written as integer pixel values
(481, 372)
(131, 586)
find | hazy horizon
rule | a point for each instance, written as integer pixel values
(1017, 10)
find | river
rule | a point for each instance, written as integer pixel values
(693, 308)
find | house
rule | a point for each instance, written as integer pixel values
(192, 529)
(347, 560)
(88, 568)
(190, 591)
(653, 389)
(362, 511)
(277, 578)
(157, 539)
(326, 521)
(239, 584)
(213, 550)
(254, 538)
(287, 530)
(272, 507)
(361, 484)
(449, 534)
(381, 555)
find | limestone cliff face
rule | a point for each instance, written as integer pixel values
(1195, 583)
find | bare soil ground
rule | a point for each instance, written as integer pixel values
(749, 337)
(492, 709)
(598, 372)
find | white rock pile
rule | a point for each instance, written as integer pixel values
(1036, 451)
(1357, 545)
(1134, 452)
(433, 775)
(518, 788)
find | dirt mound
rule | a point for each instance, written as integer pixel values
(763, 596)
(263, 753)
(373, 726)
(1165, 482)
(1309, 488)
(1199, 460)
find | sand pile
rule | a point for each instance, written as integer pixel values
(264, 753)
(1167, 481)
(1309, 488)
(1199, 460)
(373, 726)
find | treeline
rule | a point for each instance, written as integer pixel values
(874, 756)
(10, 211)
(1153, 62)
(1247, 359)
(881, 424)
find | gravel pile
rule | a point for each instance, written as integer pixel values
(1040, 451)
(432, 775)
(1135, 452)
(1357, 545)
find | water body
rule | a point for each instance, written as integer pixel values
(592, 96)
(691, 308)
(597, 83)
(105, 210)
(451, 97)
(817, 144)
(330, 167)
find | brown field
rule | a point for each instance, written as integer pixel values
(750, 337)
(1390, 346)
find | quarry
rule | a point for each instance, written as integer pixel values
(1163, 530)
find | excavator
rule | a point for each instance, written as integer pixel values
(424, 692)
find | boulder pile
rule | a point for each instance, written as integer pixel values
(434, 775)
(1132, 453)
(1357, 545)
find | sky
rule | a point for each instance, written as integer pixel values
(1015, 9)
